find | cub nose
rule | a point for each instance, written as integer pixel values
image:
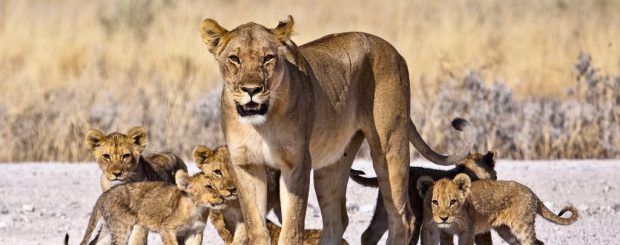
(117, 173)
(443, 218)
(232, 190)
(252, 90)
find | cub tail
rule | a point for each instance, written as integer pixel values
(550, 216)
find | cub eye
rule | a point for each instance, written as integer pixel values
(106, 157)
(435, 202)
(210, 187)
(452, 202)
(234, 59)
(268, 58)
(126, 156)
(217, 172)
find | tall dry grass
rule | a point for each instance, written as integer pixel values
(66, 66)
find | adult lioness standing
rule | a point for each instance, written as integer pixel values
(310, 107)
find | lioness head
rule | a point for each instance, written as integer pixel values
(446, 197)
(215, 165)
(483, 166)
(252, 59)
(201, 189)
(117, 153)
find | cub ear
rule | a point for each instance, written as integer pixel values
(489, 158)
(424, 184)
(463, 182)
(201, 153)
(181, 178)
(93, 139)
(212, 33)
(284, 29)
(138, 137)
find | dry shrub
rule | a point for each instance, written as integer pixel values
(585, 124)
(67, 66)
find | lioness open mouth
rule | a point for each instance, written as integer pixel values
(252, 108)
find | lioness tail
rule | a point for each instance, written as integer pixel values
(368, 182)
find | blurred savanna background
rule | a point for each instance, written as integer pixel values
(539, 79)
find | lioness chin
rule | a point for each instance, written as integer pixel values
(297, 108)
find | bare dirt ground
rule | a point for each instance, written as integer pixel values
(40, 202)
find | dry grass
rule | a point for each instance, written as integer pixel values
(69, 65)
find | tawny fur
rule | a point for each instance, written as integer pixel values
(310, 107)
(464, 208)
(121, 161)
(476, 166)
(171, 211)
(227, 220)
(311, 237)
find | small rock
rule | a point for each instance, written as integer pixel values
(353, 208)
(28, 208)
(4, 210)
(616, 207)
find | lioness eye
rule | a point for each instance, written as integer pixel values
(234, 59)
(435, 202)
(452, 202)
(268, 58)
(126, 156)
(210, 187)
(218, 172)
(106, 156)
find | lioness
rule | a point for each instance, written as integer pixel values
(476, 166)
(310, 107)
(463, 208)
(121, 161)
(171, 211)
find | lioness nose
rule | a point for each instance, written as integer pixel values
(443, 218)
(232, 190)
(252, 90)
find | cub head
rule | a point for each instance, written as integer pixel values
(445, 198)
(117, 153)
(252, 60)
(201, 189)
(483, 166)
(215, 165)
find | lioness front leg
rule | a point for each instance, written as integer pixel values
(251, 183)
(294, 187)
(139, 235)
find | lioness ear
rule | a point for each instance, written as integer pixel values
(93, 139)
(201, 153)
(463, 182)
(424, 184)
(138, 137)
(284, 29)
(212, 33)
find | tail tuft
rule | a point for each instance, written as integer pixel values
(459, 123)
(355, 172)
(66, 238)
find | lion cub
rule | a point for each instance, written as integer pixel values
(120, 158)
(463, 208)
(171, 211)
(229, 221)
(476, 165)
(311, 237)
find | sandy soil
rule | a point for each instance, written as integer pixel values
(40, 202)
